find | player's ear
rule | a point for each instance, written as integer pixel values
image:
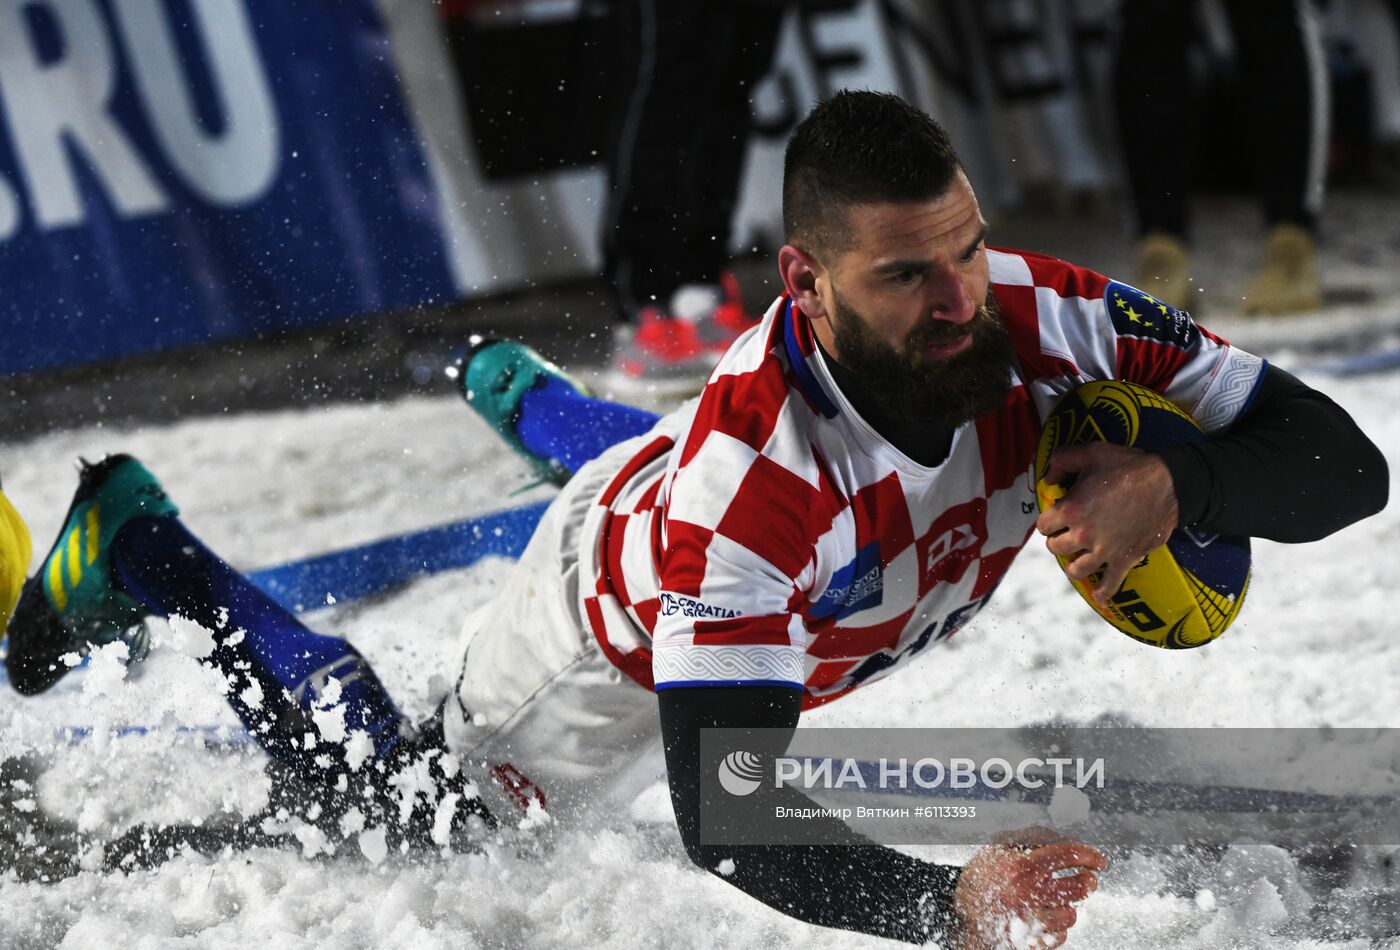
(800, 273)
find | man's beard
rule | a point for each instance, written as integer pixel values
(908, 384)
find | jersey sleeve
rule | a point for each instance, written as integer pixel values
(1158, 346)
(739, 546)
(1076, 325)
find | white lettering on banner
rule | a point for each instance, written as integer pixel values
(9, 211)
(238, 165)
(60, 105)
(59, 111)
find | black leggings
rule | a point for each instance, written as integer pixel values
(1284, 85)
(680, 140)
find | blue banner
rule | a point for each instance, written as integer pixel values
(178, 171)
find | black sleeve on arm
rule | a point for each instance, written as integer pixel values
(858, 886)
(1294, 467)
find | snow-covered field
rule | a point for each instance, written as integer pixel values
(1316, 645)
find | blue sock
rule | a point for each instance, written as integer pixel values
(166, 568)
(558, 422)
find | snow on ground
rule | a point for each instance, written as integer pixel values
(1315, 646)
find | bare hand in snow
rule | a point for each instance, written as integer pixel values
(1021, 890)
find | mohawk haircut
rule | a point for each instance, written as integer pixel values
(859, 147)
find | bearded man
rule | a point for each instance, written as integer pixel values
(846, 492)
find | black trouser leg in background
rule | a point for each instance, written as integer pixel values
(1284, 83)
(680, 141)
(1152, 102)
(1284, 92)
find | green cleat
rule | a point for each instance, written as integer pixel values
(77, 576)
(494, 376)
(74, 601)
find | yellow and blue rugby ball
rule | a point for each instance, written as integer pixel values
(1187, 592)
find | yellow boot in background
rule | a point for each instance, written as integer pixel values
(1164, 270)
(1287, 283)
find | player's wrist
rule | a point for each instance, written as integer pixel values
(1161, 490)
(1190, 481)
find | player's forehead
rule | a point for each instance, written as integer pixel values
(885, 231)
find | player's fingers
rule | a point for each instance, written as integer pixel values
(1082, 562)
(1065, 463)
(1053, 520)
(1066, 543)
(1057, 918)
(1069, 854)
(1050, 892)
(1112, 580)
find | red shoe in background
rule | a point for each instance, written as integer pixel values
(730, 320)
(663, 349)
(674, 352)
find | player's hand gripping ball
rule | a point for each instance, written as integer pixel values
(1185, 593)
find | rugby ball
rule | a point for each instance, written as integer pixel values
(1187, 592)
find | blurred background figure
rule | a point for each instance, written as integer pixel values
(1284, 87)
(675, 167)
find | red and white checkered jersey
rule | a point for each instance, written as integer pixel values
(764, 533)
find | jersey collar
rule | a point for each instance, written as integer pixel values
(801, 346)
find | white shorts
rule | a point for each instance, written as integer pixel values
(537, 703)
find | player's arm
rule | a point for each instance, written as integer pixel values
(1283, 462)
(729, 651)
(854, 884)
(1295, 467)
